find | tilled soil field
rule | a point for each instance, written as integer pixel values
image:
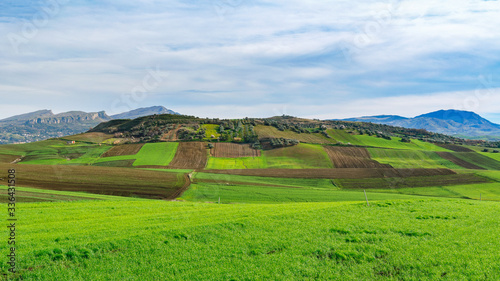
(347, 173)
(352, 157)
(126, 149)
(408, 182)
(190, 155)
(233, 150)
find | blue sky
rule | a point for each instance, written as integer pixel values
(237, 58)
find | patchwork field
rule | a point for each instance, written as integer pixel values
(352, 157)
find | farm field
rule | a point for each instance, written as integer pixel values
(160, 154)
(190, 155)
(347, 173)
(233, 150)
(272, 132)
(479, 160)
(401, 158)
(352, 157)
(410, 239)
(94, 137)
(28, 194)
(236, 163)
(372, 141)
(102, 180)
(396, 183)
(302, 156)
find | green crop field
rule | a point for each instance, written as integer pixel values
(272, 132)
(283, 182)
(28, 194)
(365, 140)
(410, 158)
(157, 240)
(160, 154)
(217, 163)
(302, 156)
(245, 193)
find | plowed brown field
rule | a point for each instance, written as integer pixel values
(347, 173)
(450, 157)
(126, 149)
(99, 180)
(233, 150)
(410, 182)
(190, 155)
(352, 157)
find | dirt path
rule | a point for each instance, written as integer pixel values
(180, 191)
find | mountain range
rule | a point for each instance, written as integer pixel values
(457, 123)
(44, 124)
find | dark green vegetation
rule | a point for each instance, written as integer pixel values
(292, 202)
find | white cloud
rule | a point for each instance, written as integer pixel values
(253, 55)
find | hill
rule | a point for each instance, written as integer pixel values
(279, 198)
(451, 122)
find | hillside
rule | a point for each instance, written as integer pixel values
(279, 198)
(450, 122)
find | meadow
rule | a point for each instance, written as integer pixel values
(409, 239)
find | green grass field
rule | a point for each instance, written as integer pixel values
(246, 193)
(211, 130)
(283, 182)
(217, 163)
(302, 156)
(160, 154)
(28, 194)
(372, 141)
(157, 240)
(403, 159)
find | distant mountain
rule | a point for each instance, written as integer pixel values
(44, 124)
(450, 122)
(378, 119)
(140, 112)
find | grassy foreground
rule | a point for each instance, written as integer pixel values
(157, 240)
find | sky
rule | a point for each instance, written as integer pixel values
(241, 58)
